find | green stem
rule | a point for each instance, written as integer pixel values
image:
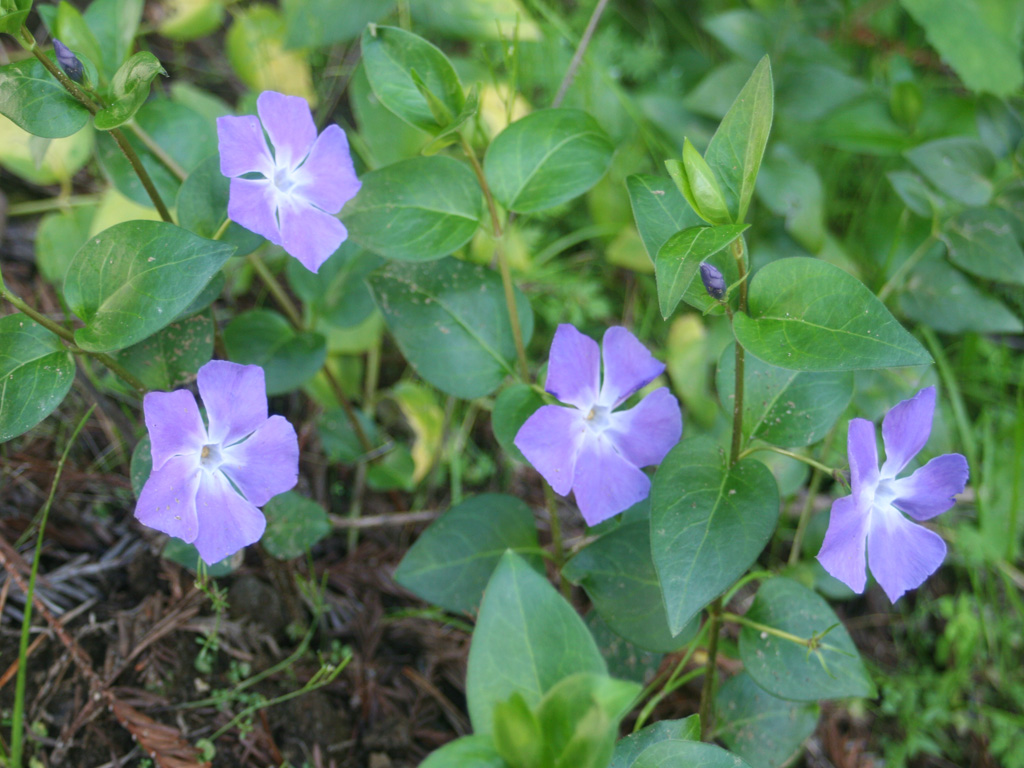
(910, 262)
(53, 204)
(707, 694)
(140, 171)
(796, 456)
(805, 513)
(744, 621)
(221, 230)
(18, 713)
(159, 152)
(737, 403)
(557, 544)
(672, 683)
(276, 290)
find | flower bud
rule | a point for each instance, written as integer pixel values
(713, 281)
(699, 186)
(68, 61)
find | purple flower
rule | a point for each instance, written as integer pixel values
(902, 554)
(587, 448)
(207, 483)
(302, 184)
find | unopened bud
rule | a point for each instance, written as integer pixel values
(713, 281)
(68, 61)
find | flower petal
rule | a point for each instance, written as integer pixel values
(309, 234)
(550, 440)
(842, 552)
(628, 366)
(649, 430)
(235, 397)
(289, 124)
(267, 463)
(328, 179)
(174, 424)
(243, 147)
(574, 368)
(168, 499)
(905, 430)
(227, 522)
(863, 454)
(606, 483)
(252, 203)
(901, 554)
(930, 491)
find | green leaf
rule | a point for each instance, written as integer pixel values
(171, 357)
(294, 524)
(141, 465)
(69, 26)
(316, 23)
(186, 136)
(512, 408)
(450, 322)
(202, 207)
(415, 210)
(625, 660)
(338, 292)
(659, 210)
(339, 439)
(547, 158)
(517, 734)
(475, 751)
(708, 524)
(672, 753)
(288, 357)
(114, 23)
(631, 747)
(476, 19)
(59, 236)
(789, 670)
(764, 730)
(390, 56)
(13, 14)
(736, 149)
(982, 241)
(958, 166)
(526, 641)
(187, 20)
(792, 188)
(255, 46)
(129, 90)
(35, 101)
(619, 576)
(679, 259)
(36, 372)
(808, 315)
(699, 185)
(150, 272)
(451, 562)
(980, 40)
(784, 407)
(396, 471)
(916, 194)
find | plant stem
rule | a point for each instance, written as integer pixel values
(674, 681)
(506, 273)
(910, 262)
(737, 403)
(18, 713)
(159, 152)
(33, 207)
(276, 290)
(557, 544)
(744, 621)
(577, 58)
(812, 491)
(707, 694)
(830, 471)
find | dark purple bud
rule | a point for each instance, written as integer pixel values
(68, 61)
(713, 281)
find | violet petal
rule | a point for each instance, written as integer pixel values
(901, 554)
(842, 552)
(168, 499)
(227, 522)
(905, 430)
(309, 234)
(645, 433)
(243, 147)
(252, 203)
(235, 397)
(863, 454)
(174, 424)
(328, 179)
(628, 366)
(930, 491)
(550, 440)
(574, 368)
(606, 483)
(289, 124)
(266, 464)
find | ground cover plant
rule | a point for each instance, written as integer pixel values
(511, 385)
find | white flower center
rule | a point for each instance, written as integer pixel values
(283, 180)
(210, 458)
(598, 420)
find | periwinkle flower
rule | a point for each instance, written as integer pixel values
(290, 195)
(208, 482)
(590, 448)
(901, 554)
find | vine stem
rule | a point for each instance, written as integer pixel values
(791, 454)
(577, 58)
(506, 273)
(557, 544)
(159, 152)
(707, 694)
(812, 491)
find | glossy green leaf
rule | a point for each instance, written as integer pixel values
(786, 669)
(172, 356)
(678, 261)
(631, 747)
(708, 524)
(958, 166)
(36, 372)
(619, 576)
(475, 751)
(129, 90)
(315, 23)
(672, 753)
(339, 439)
(135, 278)
(982, 241)
(114, 23)
(527, 639)
(784, 407)
(13, 14)
(35, 101)
(202, 207)
(451, 562)
(625, 660)
(294, 524)
(736, 149)
(59, 237)
(764, 730)
(338, 292)
(659, 210)
(451, 324)
(547, 158)
(916, 194)
(808, 315)
(792, 188)
(512, 408)
(415, 210)
(288, 357)
(390, 56)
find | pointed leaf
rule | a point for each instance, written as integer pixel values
(36, 372)
(679, 259)
(129, 90)
(982, 241)
(631, 747)
(35, 101)
(659, 210)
